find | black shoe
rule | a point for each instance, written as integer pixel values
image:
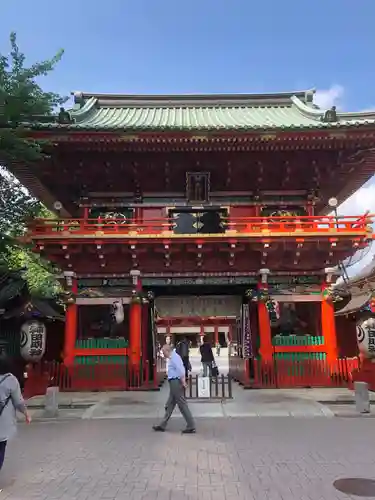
(188, 431)
(158, 428)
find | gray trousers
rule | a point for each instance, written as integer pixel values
(207, 368)
(177, 397)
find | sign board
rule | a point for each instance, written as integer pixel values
(104, 282)
(194, 306)
(366, 337)
(204, 387)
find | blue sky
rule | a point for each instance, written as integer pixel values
(166, 46)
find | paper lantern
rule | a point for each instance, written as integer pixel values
(366, 337)
(118, 312)
(33, 340)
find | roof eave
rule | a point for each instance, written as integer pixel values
(316, 127)
(192, 99)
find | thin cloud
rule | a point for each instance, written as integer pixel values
(361, 201)
(333, 96)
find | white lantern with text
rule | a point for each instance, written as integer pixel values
(366, 337)
(118, 312)
(33, 340)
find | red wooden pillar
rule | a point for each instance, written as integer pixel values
(216, 334)
(230, 334)
(135, 320)
(201, 335)
(168, 333)
(266, 348)
(144, 328)
(329, 327)
(71, 325)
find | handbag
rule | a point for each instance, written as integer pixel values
(214, 369)
(4, 403)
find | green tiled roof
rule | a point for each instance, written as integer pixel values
(205, 113)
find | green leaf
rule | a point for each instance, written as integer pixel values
(22, 103)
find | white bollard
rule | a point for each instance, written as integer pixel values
(51, 405)
(362, 397)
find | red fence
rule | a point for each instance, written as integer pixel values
(288, 374)
(90, 378)
(281, 224)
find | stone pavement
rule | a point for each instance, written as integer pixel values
(250, 403)
(243, 404)
(228, 459)
(120, 405)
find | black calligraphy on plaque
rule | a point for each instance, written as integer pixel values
(36, 340)
(371, 340)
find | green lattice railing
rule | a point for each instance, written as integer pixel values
(102, 343)
(299, 356)
(297, 340)
(104, 360)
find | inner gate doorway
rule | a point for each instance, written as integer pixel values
(196, 314)
(196, 317)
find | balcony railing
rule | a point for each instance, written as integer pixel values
(240, 226)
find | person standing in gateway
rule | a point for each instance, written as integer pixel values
(207, 357)
(177, 385)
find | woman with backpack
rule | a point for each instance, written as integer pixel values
(11, 400)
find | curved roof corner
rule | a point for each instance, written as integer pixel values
(81, 113)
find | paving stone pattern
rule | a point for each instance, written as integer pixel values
(238, 458)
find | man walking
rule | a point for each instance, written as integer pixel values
(177, 384)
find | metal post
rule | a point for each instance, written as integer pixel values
(230, 395)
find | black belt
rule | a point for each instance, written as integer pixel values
(175, 378)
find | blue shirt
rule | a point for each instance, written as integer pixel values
(176, 367)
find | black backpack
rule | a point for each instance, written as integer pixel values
(182, 349)
(4, 403)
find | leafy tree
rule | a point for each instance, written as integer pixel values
(22, 103)
(16, 205)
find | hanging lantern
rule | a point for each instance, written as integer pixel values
(273, 310)
(136, 297)
(257, 295)
(366, 337)
(33, 340)
(118, 312)
(327, 294)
